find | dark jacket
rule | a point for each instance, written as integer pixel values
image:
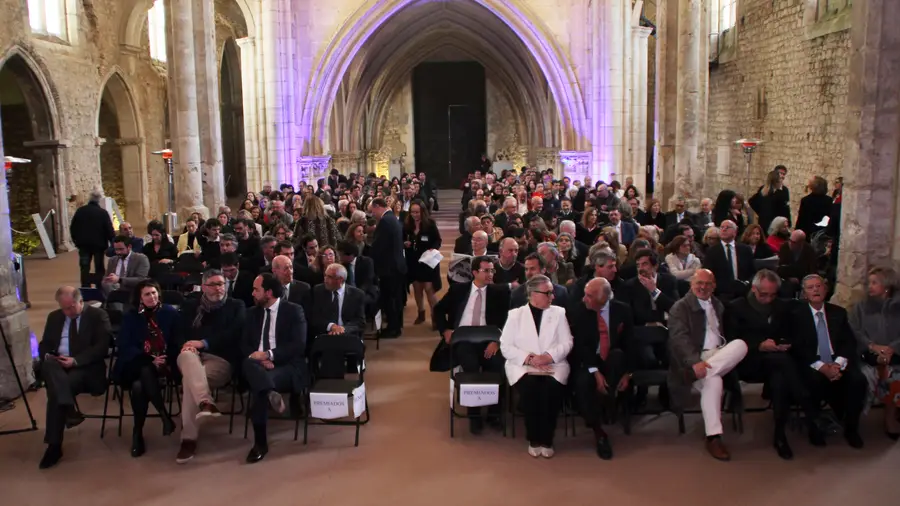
(91, 228)
(130, 341)
(448, 311)
(813, 208)
(583, 322)
(353, 313)
(387, 247)
(290, 338)
(687, 333)
(805, 264)
(220, 330)
(643, 307)
(89, 346)
(799, 328)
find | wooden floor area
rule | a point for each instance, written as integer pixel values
(406, 455)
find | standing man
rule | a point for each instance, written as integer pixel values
(701, 357)
(91, 231)
(390, 266)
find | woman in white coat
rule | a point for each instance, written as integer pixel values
(536, 341)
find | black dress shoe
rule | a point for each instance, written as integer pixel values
(783, 448)
(168, 426)
(137, 445)
(894, 436)
(257, 453)
(476, 426)
(51, 456)
(816, 437)
(853, 439)
(73, 418)
(604, 448)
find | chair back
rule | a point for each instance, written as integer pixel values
(650, 335)
(119, 296)
(92, 294)
(475, 334)
(329, 354)
(173, 298)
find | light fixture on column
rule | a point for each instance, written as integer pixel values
(171, 218)
(749, 147)
(9, 161)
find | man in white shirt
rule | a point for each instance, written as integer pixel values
(699, 356)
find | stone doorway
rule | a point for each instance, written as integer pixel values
(231, 98)
(122, 164)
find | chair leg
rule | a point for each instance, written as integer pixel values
(356, 441)
(681, 423)
(121, 394)
(247, 415)
(234, 394)
(306, 418)
(626, 415)
(105, 411)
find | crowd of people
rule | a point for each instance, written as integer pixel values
(569, 270)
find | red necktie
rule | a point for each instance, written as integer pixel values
(603, 331)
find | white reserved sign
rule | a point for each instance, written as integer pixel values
(359, 400)
(328, 406)
(473, 396)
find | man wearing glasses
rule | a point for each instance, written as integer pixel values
(476, 303)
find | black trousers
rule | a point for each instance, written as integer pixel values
(262, 381)
(470, 356)
(846, 396)
(144, 380)
(62, 387)
(84, 263)
(590, 401)
(540, 399)
(392, 300)
(779, 371)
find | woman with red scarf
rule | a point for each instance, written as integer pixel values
(146, 352)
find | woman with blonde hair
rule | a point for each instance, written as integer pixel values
(611, 236)
(316, 222)
(356, 235)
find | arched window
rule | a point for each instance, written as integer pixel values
(48, 17)
(156, 29)
(727, 14)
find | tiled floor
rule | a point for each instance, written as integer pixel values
(406, 456)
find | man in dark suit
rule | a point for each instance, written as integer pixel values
(72, 351)
(796, 260)
(731, 262)
(337, 309)
(360, 274)
(601, 328)
(567, 213)
(390, 266)
(756, 319)
(678, 214)
(627, 230)
(294, 291)
(652, 293)
(238, 283)
(535, 265)
(463, 243)
(274, 343)
(825, 349)
(478, 303)
(704, 219)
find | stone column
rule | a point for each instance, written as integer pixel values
(183, 94)
(12, 311)
(693, 81)
(666, 91)
(870, 224)
(208, 106)
(250, 92)
(275, 120)
(636, 166)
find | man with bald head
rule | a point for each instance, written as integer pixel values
(731, 263)
(298, 292)
(479, 244)
(700, 357)
(601, 328)
(509, 270)
(796, 260)
(72, 352)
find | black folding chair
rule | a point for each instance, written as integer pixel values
(352, 349)
(476, 335)
(110, 358)
(656, 375)
(173, 298)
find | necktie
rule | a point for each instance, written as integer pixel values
(476, 311)
(335, 309)
(120, 269)
(822, 335)
(265, 335)
(603, 331)
(228, 286)
(351, 277)
(73, 328)
(730, 257)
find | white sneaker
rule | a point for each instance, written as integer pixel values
(534, 451)
(547, 452)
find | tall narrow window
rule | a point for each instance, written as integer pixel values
(727, 14)
(156, 29)
(48, 17)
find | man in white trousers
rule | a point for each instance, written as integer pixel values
(700, 355)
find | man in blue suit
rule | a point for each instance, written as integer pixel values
(390, 266)
(627, 230)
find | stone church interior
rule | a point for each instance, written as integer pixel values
(643, 241)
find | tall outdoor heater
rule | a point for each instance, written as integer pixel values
(171, 220)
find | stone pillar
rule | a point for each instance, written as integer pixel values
(208, 107)
(870, 224)
(275, 120)
(666, 91)
(636, 167)
(693, 83)
(248, 88)
(183, 94)
(12, 311)
(608, 24)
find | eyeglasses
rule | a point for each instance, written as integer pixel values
(215, 285)
(547, 293)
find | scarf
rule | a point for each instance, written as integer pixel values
(155, 343)
(206, 306)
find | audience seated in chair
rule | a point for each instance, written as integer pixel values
(126, 269)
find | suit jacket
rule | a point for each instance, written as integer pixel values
(364, 274)
(813, 208)
(463, 244)
(687, 333)
(353, 311)
(642, 304)
(387, 247)
(799, 327)
(744, 322)
(519, 297)
(583, 322)
(242, 288)
(300, 293)
(130, 341)
(290, 338)
(716, 261)
(520, 338)
(448, 311)
(789, 268)
(672, 218)
(88, 347)
(138, 268)
(629, 232)
(221, 329)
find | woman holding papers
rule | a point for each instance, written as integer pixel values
(420, 234)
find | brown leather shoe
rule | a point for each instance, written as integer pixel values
(208, 409)
(186, 452)
(717, 449)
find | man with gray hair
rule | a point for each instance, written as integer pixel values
(604, 265)
(72, 352)
(91, 231)
(337, 307)
(756, 320)
(463, 244)
(560, 272)
(211, 326)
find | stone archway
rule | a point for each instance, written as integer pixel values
(231, 101)
(29, 131)
(123, 166)
(542, 57)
